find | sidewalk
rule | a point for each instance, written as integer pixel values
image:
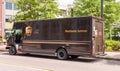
(2, 47)
(111, 56)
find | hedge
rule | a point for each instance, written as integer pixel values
(112, 45)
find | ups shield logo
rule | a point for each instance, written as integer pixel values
(28, 30)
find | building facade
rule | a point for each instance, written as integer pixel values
(9, 10)
(0, 17)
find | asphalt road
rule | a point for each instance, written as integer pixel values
(50, 63)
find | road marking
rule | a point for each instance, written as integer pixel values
(26, 67)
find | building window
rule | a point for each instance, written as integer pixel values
(64, 12)
(8, 18)
(9, 5)
(15, 7)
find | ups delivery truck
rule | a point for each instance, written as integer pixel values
(63, 37)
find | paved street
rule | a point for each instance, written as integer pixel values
(50, 63)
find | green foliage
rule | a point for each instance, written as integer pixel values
(93, 8)
(36, 9)
(87, 8)
(117, 47)
(0, 38)
(107, 34)
(112, 45)
(111, 13)
(108, 49)
(116, 34)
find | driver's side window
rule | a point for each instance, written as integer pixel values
(18, 35)
(13, 33)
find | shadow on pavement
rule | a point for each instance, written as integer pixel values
(111, 62)
(80, 59)
(104, 60)
(114, 61)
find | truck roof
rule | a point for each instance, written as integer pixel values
(62, 18)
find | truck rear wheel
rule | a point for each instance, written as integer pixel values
(62, 54)
(12, 50)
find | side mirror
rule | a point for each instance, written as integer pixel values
(13, 33)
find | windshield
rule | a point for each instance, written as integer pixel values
(16, 32)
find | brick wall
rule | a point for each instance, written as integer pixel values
(0, 17)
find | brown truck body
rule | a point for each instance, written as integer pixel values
(77, 36)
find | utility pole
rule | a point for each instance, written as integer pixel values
(102, 8)
(70, 6)
(72, 14)
(102, 16)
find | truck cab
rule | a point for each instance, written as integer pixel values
(14, 40)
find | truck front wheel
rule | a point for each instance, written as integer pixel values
(12, 50)
(62, 54)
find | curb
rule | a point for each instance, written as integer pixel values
(109, 58)
(3, 50)
(2, 47)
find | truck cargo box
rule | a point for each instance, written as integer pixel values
(64, 36)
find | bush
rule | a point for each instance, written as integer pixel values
(112, 45)
(108, 49)
(117, 47)
(0, 38)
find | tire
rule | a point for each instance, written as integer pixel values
(12, 50)
(62, 54)
(74, 56)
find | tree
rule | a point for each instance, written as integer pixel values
(36, 9)
(93, 8)
(87, 8)
(111, 13)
